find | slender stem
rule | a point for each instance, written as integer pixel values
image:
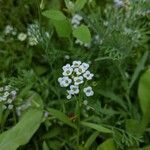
(78, 121)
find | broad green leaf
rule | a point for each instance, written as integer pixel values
(144, 98)
(54, 14)
(97, 127)
(61, 116)
(45, 146)
(21, 133)
(60, 22)
(138, 69)
(107, 145)
(79, 4)
(82, 33)
(63, 28)
(146, 147)
(91, 139)
(144, 93)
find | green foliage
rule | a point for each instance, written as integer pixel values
(22, 132)
(113, 39)
(108, 144)
(82, 33)
(79, 4)
(60, 115)
(60, 22)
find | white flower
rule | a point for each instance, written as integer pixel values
(6, 94)
(78, 80)
(67, 57)
(85, 66)
(22, 36)
(79, 42)
(88, 75)
(13, 93)
(10, 107)
(88, 91)
(69, 96)
(64, 81)
(8, 29)
(7, 87)
(76, 20)
(33, 41)
(74, 89)
(67, 70)
(118, 3)
(9, 100)
(85, 102)
(76, 64)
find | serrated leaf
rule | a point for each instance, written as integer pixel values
(21, 133)
(97, 127)
(82, 33)
(61, 116)
(107, 145)
(79, 4)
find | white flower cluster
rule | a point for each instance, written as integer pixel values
(119, 3)
(76, 20)
(10, 30)
(87, 45)
(7, 96)
(25, 105)
(34, 34)
(75, 75)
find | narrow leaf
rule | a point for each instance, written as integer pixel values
(61, 116)
(138, 69)
(97, 127)
(91, 139)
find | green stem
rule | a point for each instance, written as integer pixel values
(78, 122)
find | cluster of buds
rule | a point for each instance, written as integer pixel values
(7, 96)
(75, 77)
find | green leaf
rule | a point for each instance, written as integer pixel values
(79, 4)
(144, 98)
(132, 126)
(144, 93)
(63, 28)
(54, 15)
(91, 139)
(146, 147)
(45, 146)
(97, 127)
(60, 22)
(82, 33)
(107, 145)
(21, 133)
(61, 116)
(138, 69)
